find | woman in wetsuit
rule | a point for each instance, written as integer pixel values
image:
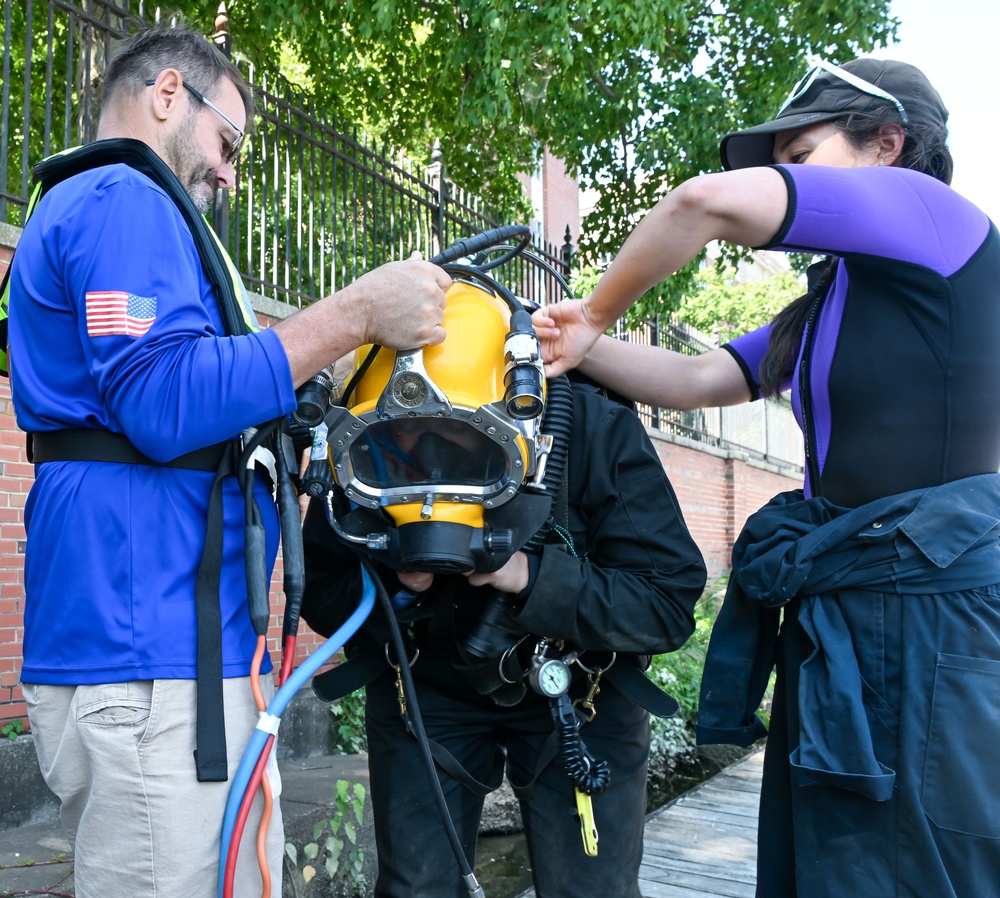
(879, 775)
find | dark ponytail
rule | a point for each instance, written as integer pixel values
(787, 328)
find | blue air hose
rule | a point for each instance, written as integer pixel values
(269, 721)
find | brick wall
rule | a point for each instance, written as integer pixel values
(717, 491)
(561, 201)
(5, 256)
(556, 200)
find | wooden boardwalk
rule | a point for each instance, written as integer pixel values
(704, 843)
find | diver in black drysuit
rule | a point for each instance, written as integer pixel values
(621, 575)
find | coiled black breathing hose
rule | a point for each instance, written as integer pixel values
(590, 775)
(557, 421)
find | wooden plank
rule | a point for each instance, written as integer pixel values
(677, 882)
(694, 890)
(712, 813)
(727, 794)
(736, 807)
(720, 851)
(657, 867)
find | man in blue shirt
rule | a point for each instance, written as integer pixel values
(116, 328)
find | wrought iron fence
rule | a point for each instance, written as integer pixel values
(762, 430)
(317, 202)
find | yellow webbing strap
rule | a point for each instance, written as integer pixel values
(241, 292)
(5, 290)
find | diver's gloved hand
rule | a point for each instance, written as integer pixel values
(415, 581)
(515, 578)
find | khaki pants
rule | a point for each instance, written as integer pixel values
(120, 759)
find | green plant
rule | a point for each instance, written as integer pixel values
(341, 855)
(12, 730)
(351, 737)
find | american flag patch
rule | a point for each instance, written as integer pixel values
(111, 312)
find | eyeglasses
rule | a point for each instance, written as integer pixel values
(237, 144)
(859, 84)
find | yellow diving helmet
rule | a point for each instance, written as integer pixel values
(437, 453)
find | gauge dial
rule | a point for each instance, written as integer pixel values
(552, 678)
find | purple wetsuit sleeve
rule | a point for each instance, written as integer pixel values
(749, 351)
(892, 213)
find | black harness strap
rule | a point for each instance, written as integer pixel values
(524, 791)
(450, 765)
(349, 676)
(210, 758)
(358, 671)
(211, 762)
(135, 154)
(638, 688)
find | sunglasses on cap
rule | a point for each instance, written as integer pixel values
(237, 144)
(821, 66)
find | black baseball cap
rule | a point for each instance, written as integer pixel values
(828, 92)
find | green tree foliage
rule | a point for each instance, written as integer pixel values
(73, 107)
(633, 96)
(727, 306)
(714, 300)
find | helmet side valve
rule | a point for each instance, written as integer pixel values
(523, 373)
(318, 477)
(316, 396)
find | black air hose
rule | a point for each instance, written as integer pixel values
(290, 520)
(253, 533)
(558, 422)
(415, 723)
(484, 240)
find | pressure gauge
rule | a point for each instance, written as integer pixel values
(551, 678)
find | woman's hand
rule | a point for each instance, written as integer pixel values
(565, 333)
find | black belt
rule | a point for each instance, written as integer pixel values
(103, 445)
(362, 668)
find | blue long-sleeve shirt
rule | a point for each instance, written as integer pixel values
(115, 326)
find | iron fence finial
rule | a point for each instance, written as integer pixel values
(221, 36)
